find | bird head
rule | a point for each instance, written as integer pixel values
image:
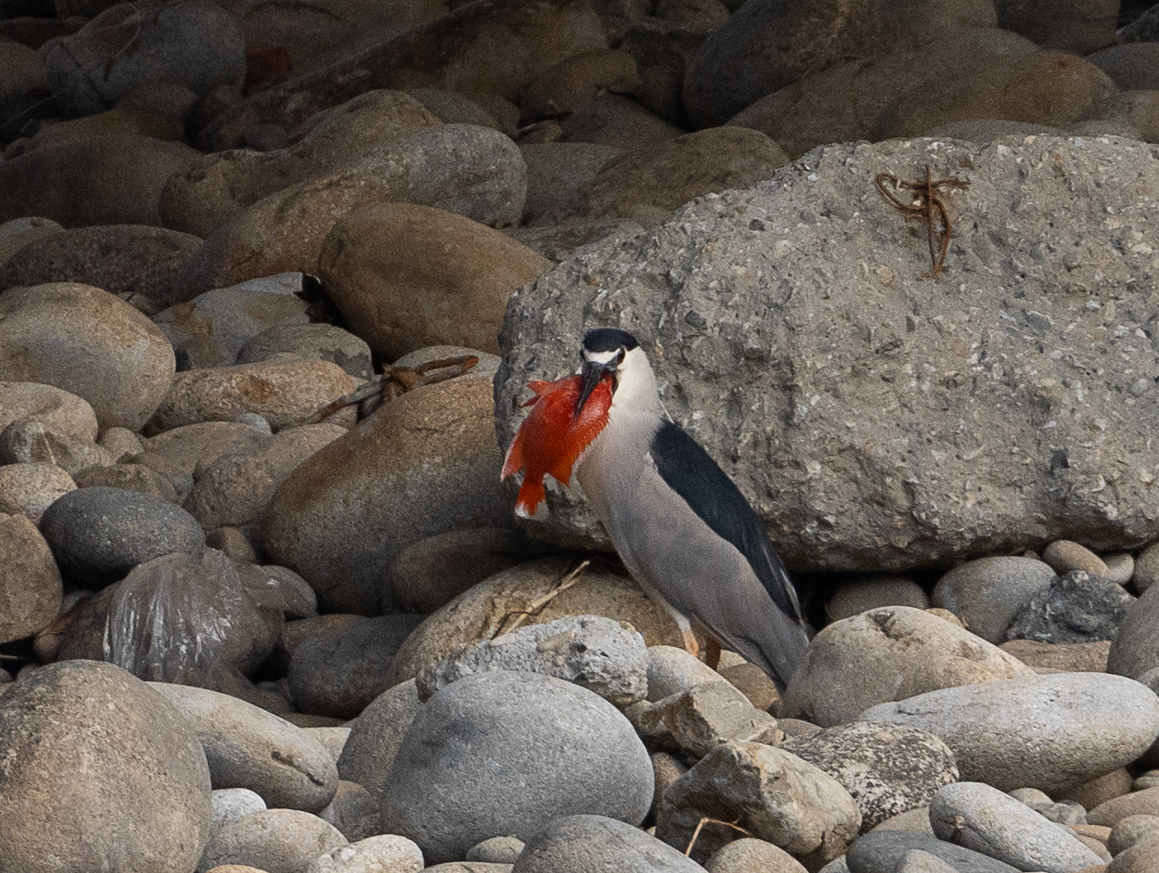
(611, 352)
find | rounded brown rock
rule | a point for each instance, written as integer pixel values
(285, 393)
(114, 179)
(60, 410)
(751, 855)
(88, 342)
(102, 774)
(1146, 571)
(138, 263)
(284, 231)
(30, 586)
(272, 839)
(425, 463)
(1065, 556)
(890, 653)
(650, 183)
(221, 184)
(407, 276)
(535, 590)
(29, 489)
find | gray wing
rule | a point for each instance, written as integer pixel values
(689, 533)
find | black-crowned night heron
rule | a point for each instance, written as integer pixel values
(682, 527)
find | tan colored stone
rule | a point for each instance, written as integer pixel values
(101, 773)
(138, 263)
(861, 594)
(846, 101)
(425, 463)
(211, 329)
(284, 393)
(1098, 791)
(57, 409)
(123, 122)
(751, 855)
(283, 232)
(1065, 556)
(766, 46)
(114, 179)
(1109, 813)
(531, 593)
(772, 794)
(30, 586)
(614, 120)
(19, 232)
(220, 185)
(1078, 26)
(129, 477)
(573, 83)
(31, 442)
(88, 342)
(1146, 568)
(434, 571)
(1045, 87)
(234, 490)
(889, 654)
(556, 170)
(1066, 657)
(407, 276)
(29, 489)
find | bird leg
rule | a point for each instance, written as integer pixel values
(712, 653)
(690, 644)
(682, 622)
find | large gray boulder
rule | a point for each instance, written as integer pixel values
(875, 417)
(1047, 732)
(499, 754)
(100, 773)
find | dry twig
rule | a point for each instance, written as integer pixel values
(706, 820)
(536, 606)
(395, 381)
(927, 205)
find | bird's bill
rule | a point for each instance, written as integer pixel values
(592, 374)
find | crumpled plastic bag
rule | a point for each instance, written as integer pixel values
(172, 619)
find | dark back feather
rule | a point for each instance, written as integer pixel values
(692, 473)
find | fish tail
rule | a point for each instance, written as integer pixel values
(531, 496)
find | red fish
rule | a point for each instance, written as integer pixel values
(553, 437)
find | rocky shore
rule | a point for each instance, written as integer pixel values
(273, 281)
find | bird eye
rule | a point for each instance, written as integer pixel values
(620, 355)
